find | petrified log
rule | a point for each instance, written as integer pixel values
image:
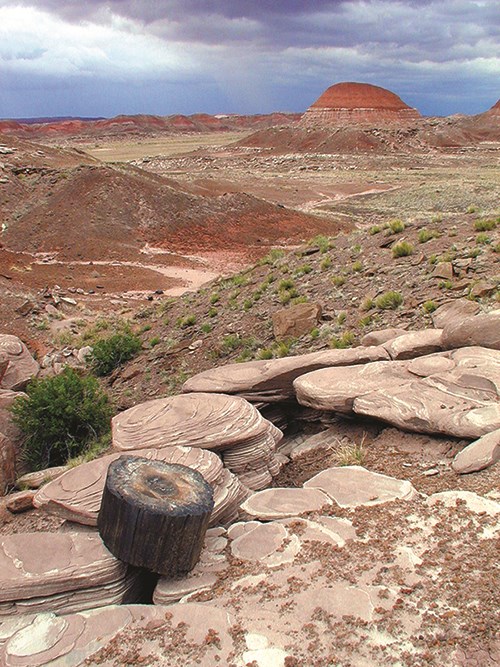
(155, 514)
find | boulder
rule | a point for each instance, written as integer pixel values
(21, 367)
(76, 495)
(444, 270)
(458, 309)
(62, 572)
(415, 344)
(20, 502)
(482, 330)
(281, 503)
(272, 380)
(352, 486)
(226, 424)
(479, 454)
(34, 480)
(382, 336)
(7, 426)
(296, 320)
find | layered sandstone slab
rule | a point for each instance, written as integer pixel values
(272, 380)
(482, 329)
(71, 640)
(479, 454)
(282, 503)
(226, 424)
(21, 366)
(76, 495)
(350, 103)
(455, 393)
(352, 486)
(64, 572)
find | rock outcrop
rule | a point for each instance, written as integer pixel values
(21, 366)
(358, 104)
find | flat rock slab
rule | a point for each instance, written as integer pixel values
(454, 394)
(458, 309)
(353, 486)
(21, 366)
(76, 495)
(479, 455)
(227, 424)
(382, 336)
(272, 380)
(43, 571)
(72, 640)
(283, 502)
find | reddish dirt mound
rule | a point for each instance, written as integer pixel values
(141, 125)
(362, 103)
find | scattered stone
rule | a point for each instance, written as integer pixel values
(482, 330)
(20, 502)
(320, 442)
(483, 288)
(226, 424)
(444, 270)
(76, 495)
(272, 380)
(281, 503)
(296, 320)
(352, 486)
(479, 455)
(22, 367)
(62, 572)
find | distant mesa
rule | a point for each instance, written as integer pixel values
(358, 103)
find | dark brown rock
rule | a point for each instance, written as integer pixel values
(296, 321)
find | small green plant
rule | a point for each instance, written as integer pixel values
(433, 259)
(303, 270)
(483, 239)
(323, 242)
(265, 353)
(314, 333)
(206, 327)
(186, 321)
(365, 321)
(374, 229)
(471, 209)
(445, 284)
(338, 281)
(109, 353)
(496, 248)
(272, 257)
(214, 298)
(403, 249)
(146, 327)
(247, 304)
(356, 249)
(212, 312)
(368, 304)
(437, 218)
(341, 318)
(299, 299)
(285, 284)
(425, 235)
(342, 342)
(60, 417)
(357, 266)
(389, 300)
(396, 226)
(429, 306)
(485, 225)
(326, 263)
(155, 341)
(352, 454)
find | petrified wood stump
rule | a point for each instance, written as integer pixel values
(155, 514)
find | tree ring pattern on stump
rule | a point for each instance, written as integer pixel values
(159, 486)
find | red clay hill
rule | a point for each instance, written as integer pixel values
(360, 104)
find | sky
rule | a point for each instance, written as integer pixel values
(95, 58)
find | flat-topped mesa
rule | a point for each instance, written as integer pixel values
(360, 104)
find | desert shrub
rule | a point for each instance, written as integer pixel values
(483, 239)
(326, 263)
(303, 270)
(341, 318)
(342, 342)
(368, 304)
(214, 298)
(389, 300)
(396, 226)
(402, 249)
(272, 257)
(323, 242)
(357, 266)
(61, 417)
(286, 283)
(109, 353)
(365, 321)
(186, 321)
(429, 306)
(338, 281)
(156, 340)
(374, 229)
(484, 225)
(425, 235)
(206, 327)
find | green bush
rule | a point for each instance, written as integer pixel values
(484, 225)
(402, 249)
(389, 300)
(109, 353)
(396, 226)
(429, 306)
(60, 418)
(425, 235)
